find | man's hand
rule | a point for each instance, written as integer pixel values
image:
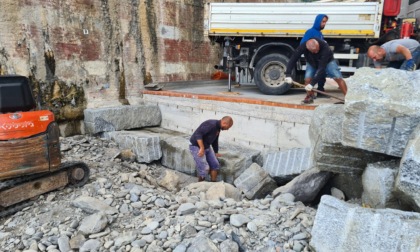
(309, 87)
(288, 80)
(218, 154)
(201, 152)
(410, 65)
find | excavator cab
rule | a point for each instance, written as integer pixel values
(30, 148)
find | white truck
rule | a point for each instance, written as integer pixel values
(258, 39)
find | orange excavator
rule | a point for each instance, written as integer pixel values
(30, 149)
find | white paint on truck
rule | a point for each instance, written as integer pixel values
(353, 20)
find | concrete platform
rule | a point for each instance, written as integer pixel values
(248, 93)
(262, 122)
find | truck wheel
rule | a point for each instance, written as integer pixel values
(270, 73)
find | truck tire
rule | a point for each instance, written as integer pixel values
(270, 73)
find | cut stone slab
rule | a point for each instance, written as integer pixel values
(328, 152)
(283, 166)
(340, 226)
(176, 154)
(306, 186)
(378, 184)
(382, 109)
(408, 178)
(234, 160)
(121, 118)
(255, 182)
(144, 144)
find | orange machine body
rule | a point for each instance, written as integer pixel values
(24, 124)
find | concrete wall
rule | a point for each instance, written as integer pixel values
(110, 48)
(107, 48)
(93, 53)
(255, 126)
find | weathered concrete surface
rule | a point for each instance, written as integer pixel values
(378, 184)
(121, 118)
(306, 186)
(382, 109)
(340, 226)
(255, 182)
(109, 48)
(255, 126)
(283, 166)
(144, 144)
(328, 152)
(408, 179)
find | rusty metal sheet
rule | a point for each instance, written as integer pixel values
(33, 188)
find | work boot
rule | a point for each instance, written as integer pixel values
(309, 98)
(201, 178)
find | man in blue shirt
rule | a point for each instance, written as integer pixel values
(203, 138)
(315, 32)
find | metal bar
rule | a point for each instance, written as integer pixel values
(324, 93)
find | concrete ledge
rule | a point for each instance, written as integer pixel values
(256, 126)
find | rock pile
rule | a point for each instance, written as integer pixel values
(123, 208)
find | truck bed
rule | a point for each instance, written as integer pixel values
(349, 19)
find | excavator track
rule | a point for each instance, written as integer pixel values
(70, 173)
(15, 208)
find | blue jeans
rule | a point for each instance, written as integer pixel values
(205, 163)
(332, 70)
(414, 55)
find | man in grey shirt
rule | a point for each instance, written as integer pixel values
(400, 53)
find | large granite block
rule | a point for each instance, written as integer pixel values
(255, 182)
(382, 109)
(283, 166)
(408, 178)
(121, 118)
(329, 154)
(344, 227)
(378, 184)
(234, 160)
(144, 144)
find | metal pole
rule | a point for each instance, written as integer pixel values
(230, 73)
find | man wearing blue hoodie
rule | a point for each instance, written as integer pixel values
(315, 32)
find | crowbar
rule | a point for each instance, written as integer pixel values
(321, 92)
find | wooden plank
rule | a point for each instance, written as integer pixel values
(31, 189)
(28, 156)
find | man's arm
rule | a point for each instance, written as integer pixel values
(325, 58)
(201, 145)
(404, 51)
(215, 146)
(292, 61)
